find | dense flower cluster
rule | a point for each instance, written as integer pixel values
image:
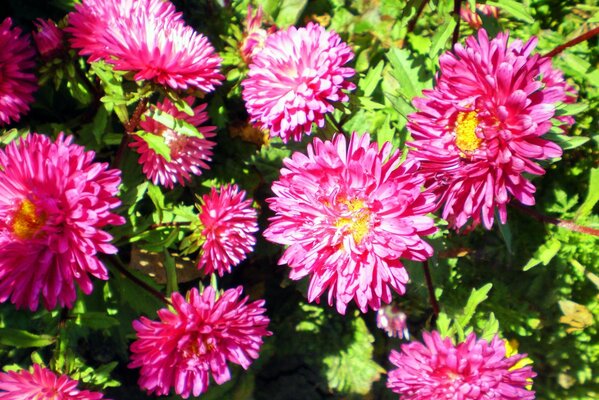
(348, 213)
(188, 154)
(295, 79)
(55, 202)
(17, 81)
(473, 370)
(229, 223)
(41, 384)
(196, 339)
(480, 130)
(148, 38)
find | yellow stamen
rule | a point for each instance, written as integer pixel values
(465, 131)
(26, 221)
(358, 223)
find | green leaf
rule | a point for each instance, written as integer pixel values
(20, 338)
(592, 196)
(369, 83)
(441, 36)
(517, 9)
(570, 109)
(171, 273)
(178, 125)
(289, 12)
(566, 142)
(476, 297)
(156, 143)
(544, 254)
(403, 72)
(96, 320)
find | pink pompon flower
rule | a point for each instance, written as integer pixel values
(17, 81)
(254, 36)
(188, 154)
(41, 384)
(472, 18)
(480, 130)
(147, 38)
(348, 213)
(55, 202)
(473, 370)
(48, 38)
(295, 79)
(229, 223)
(196, 340)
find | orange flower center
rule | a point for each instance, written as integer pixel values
(27, 221)
(465, 132)
(359, 220)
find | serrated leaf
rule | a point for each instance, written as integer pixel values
(178, 125)
(517, 9)
(544, 254)
(403, 72)
(369, 83)
(156, 143)
(592, 195)
(477, 296)
(441, 36)
(21, 338)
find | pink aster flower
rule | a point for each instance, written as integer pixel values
(48, 38)
(471, 16)
(17, 81)
(393, 321)
(480, 130)
(473, 370)
(348, 213)
(188, 154)
(147, 38)
(196, 339)
(295, 79)
(41, 384)
(229, 223)
(254, 36)
(55, 202)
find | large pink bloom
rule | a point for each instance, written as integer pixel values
(188, 154)
(480, 130)
(295, 79)
(196, 339)
(348, 213)
(41, 384)
(17, 81)
(55, 202)
(148, 38)
(473, 370)
(229, 224)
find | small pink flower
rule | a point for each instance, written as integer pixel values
(48, 38)
(480, 131)
(55, 203)
(17, 81)
(471, 16)
(295, 80)
(393, 321)
(229, 224)
(41, 384)
(254, 36)
(473, 370)
(348, 213)
(196, 340)
(188, 154)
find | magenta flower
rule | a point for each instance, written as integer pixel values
(295, 79)
(472, 370)
(48, 38)
(254, 35)
(147, 38)
(54, 204)
(393, 321)
(348, 213)
(41, 384)
(196, 339)
(229, 223)
(472, 18)
(17, 81)
(480, 130)
(189, 155)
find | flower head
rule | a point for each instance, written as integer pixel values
(48, 38)
(228, 226)
(254, 36)
(393, 321)
(41, 384)
(480, 130)
(295, 79)
(348, 213)
(188, 154)
(473, 370)
(471, 16)
(17, 81)
(147, 38)
(55, 202)
(196, 339)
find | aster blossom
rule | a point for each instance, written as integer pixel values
(473, 370)
(254, 35)
(296, 78)
(229, 223)
(55, 202)
(480, 130)
(348, 213)
(472, 18)
(196, 340)
(17, 81)
(41, 384)
(148, 38)
(48, 38)
(188, 154)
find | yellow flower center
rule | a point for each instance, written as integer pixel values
(27, 221)
(465, 132)
(359, 221)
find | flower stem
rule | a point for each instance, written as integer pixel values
(130, 126)
(457, 7)
(570, 225)
(414, 20)
(585, 36)
(431, 288)
(123, 270)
